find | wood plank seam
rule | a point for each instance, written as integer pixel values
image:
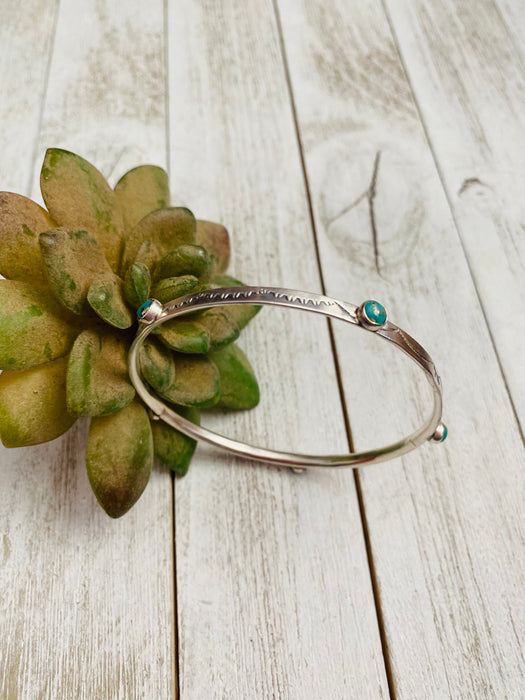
(274, 587)
(457, 224)
(114, 633)
(175, 620)
(443, 525)
(166, 87)
(370, 194)
(36, 149)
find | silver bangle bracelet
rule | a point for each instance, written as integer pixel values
(370, 315)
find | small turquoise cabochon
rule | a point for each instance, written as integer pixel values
(374, 312)
(143, 308)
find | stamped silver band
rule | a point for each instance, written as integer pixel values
(370, 315)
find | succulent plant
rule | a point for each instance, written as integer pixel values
(74, 278)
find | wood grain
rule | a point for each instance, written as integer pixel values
(25, 50)
(469, 85)
(513, 16)
(274, 593)
(446, 522)
(86, 602)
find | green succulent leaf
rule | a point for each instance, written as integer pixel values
(32, 326)
(21, 220)
(97, 375)
(239, 388)
(141, 191)
(157, 364)
(33, 404)
(185, 260)
(148, 254)
(174, 287)
(105, 296)
(197, 382)
(226, 281)
(215, 238)
(185, 336)
(137, 284)
(166, 228)
(174, 449)
(220, 325)
(77, 196)
(119, 458)
(242, 314)
(72, 260)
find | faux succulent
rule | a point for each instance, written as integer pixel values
(75, 276)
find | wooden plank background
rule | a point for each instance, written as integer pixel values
(87, 603)
(370, 149)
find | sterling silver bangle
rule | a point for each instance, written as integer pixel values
(370, 315)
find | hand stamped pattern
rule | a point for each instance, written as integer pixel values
(268, 295)
(310, 302)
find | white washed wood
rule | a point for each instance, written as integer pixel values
(446, 522)
(25, 48)
(274, 592)
(469, 84)
(87, 602)
(513, 15)
(106, 94)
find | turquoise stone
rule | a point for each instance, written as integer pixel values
(440, 434)
(374, 312)
(143, 308)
